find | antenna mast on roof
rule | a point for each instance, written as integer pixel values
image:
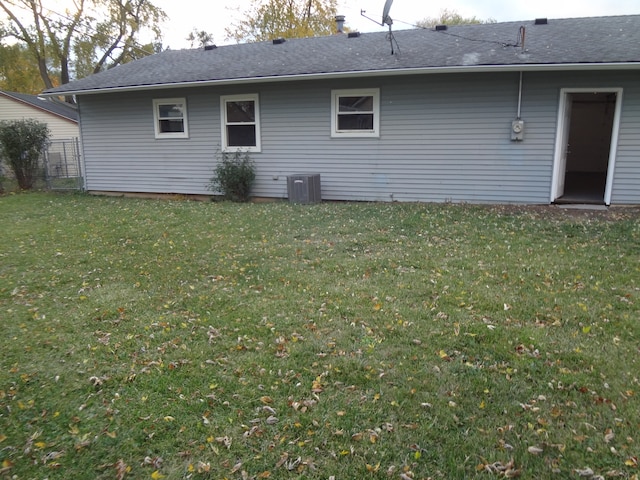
(386, 19)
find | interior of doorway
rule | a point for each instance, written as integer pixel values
(589, 144)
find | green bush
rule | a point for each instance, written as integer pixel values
(233, 176)
(22, 143)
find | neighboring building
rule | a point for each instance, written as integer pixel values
(518, 112)
(61, 118)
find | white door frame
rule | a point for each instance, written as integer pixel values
(562, 135)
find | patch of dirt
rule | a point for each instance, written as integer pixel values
(615, 213)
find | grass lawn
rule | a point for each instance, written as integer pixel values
(163, 339)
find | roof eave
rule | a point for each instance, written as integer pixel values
(365, 74)
(39, 107)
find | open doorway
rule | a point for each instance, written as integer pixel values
(585, 150)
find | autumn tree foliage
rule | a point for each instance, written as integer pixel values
(18, 70)
(87, 37)
(269, 19)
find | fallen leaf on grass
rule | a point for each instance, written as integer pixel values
(5, 466)
(121, 469)
(52, 456)
(444, 356)
(535, 450)
(584, 472)
(226, 441)
(609, 435)
(155, 462)
(507, 470)
(271, 420)
(373, 468)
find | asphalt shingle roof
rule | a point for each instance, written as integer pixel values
(562, 42)
(52, 106)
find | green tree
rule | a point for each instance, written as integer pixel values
(18, 70)
(22, 143)
(450, 17)
(269, 19)
(93, 36)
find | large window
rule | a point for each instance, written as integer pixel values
(170, 116)
(240, 123)
(355, 113)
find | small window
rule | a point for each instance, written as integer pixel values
(170, 115)
(355, 113)
(240, 123)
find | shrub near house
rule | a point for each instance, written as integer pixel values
(22, 143)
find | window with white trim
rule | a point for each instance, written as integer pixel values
(170, 118)
(355, 113)
(240, 123)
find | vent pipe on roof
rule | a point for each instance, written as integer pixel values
(210, 47)
(441, 28)
(278, 41)
(540, 21)
(340, 23)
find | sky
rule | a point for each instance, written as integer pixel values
(213, 16)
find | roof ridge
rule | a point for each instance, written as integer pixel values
(561, 44)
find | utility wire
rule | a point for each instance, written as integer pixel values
(519, 42)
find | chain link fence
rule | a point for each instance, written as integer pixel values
(62, 165)
(60, 168)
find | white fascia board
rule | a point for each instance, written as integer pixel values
(557, 67)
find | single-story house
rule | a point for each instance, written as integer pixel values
(62, 118)
(535, 112)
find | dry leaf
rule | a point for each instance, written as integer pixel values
(226, 441)
(584, 472)
(609, 435)
(121, 469)
(535, 450)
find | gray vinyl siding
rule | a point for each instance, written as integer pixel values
(442, 138)
(626, 180)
